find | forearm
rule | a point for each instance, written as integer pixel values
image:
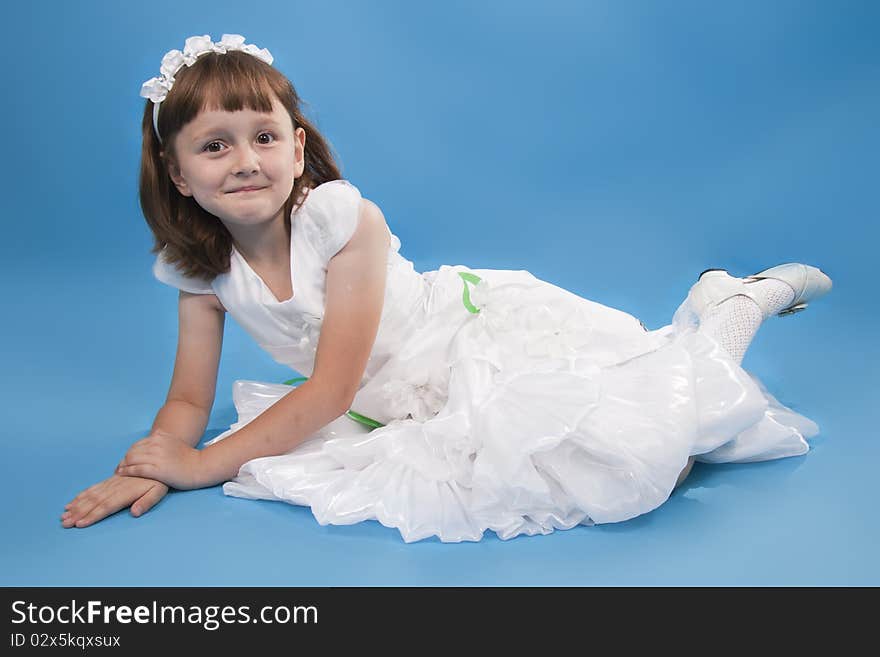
(278, 429)
(181, 420)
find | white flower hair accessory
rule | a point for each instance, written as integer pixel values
(156, 89)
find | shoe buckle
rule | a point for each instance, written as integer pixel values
(791, 310)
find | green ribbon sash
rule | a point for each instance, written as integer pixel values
(357, 417)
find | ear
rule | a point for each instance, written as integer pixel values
(175, 174)
(300, 150)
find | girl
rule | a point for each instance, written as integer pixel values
(443, 403)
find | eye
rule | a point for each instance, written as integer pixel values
(268, 134)
(208, 147)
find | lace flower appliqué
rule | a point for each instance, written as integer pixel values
(421, 399)
(310, 331)
(494, 304)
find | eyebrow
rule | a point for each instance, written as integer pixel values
(218, 130)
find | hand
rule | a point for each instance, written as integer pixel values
(109, 496)
(170, 461)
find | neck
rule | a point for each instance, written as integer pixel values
(266, 244)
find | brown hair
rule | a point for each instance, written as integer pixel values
(197, 242)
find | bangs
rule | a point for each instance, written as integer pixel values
(230, 82)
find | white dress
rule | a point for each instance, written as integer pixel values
(541, 411)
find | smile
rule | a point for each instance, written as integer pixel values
(248, 190)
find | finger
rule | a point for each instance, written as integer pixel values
(148, 500)
(84, 500)
(133, 452)
(74, 501)
(146, 470)
(104, 507)
(94, 489)
(68, 518)
(126, 461)
(85, 506)
(85, 492)
(140, 444)
(98, 512)
(88, 500)
(137, 453)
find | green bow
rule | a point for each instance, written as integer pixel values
(466, 295)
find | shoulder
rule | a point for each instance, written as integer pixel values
(338, 194)
(168, 271)
(370, 213)
(336, 213)
(371, 224)
(331, 205)
(332, 192)
(201, 290)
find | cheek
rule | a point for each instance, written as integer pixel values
(288, 161)
(213, 179)
(283, 168)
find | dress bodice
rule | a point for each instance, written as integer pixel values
(288, 330)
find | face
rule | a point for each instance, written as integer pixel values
(239, 166)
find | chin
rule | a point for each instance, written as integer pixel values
(252, 220)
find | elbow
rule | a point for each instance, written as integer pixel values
(345, 399)
(337, 397)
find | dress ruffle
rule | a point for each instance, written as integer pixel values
(540, 412)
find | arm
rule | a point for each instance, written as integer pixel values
(355, 292)
(182, 419)
(193, 384)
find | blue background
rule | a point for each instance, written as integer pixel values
(614, 149)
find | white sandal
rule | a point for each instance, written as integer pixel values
(715, 286)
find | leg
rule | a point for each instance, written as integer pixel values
(735, 321)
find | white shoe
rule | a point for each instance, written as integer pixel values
(715, 286)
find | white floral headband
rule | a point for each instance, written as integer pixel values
(156, 89)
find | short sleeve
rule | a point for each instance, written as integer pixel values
(332, 216)
(168, 274)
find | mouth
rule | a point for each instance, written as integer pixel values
(245, 190)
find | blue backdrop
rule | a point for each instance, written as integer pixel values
(614, 149)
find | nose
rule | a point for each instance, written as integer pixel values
(248, 162)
